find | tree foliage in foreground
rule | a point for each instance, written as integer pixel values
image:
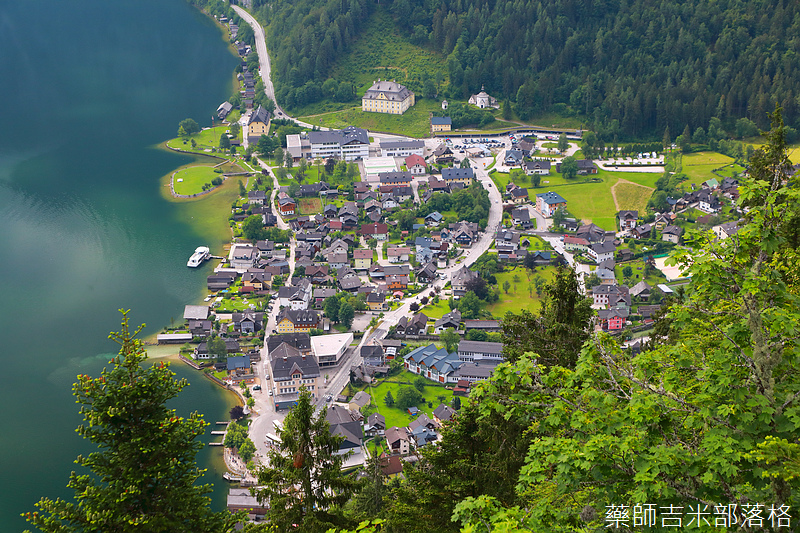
(709, 419)
(143, 477)
(707, 416)
(559, 331)
(304, 483)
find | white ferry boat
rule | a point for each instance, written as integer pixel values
(201, 254)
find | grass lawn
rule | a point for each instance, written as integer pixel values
(313, 174)
(394, 416)
(309, 206)
(550, 145)
(698, 166)
(190, 180)
(415, 122)
(206, 139)
(637, 266)
(208, 214)
(632, 196)
(436, 311)
(518, 299)
(230, 305)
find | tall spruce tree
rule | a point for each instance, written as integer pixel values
(304, 485)
(143, 477)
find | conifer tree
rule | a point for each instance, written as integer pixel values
(143, 477)
(304, 484)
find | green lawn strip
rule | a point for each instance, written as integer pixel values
(632, 196)
(637, 266)
(206, 139)
(519, 299)
(190, 180)
(394, 416)
(436, 311)
(415, 122)
(313, 174)
(698, 166)
(207, 214)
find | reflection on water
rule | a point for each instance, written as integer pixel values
(83, 228)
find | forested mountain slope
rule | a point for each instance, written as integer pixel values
(631, 67)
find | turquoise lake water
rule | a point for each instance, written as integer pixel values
(87, 89)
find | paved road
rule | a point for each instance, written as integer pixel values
(261, 48)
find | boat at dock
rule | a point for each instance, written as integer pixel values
(201, 254)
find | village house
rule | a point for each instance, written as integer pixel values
(548, 202)
(441, 124)
(242, 257)
(374, 231)
(575, 244)
(601, 251)
(443, 154)
(672, 234)
(398, 441)
(301, 341)
(518, 195)
(397, 177)
(291, 370)
(416, 165)
(376, 301)
(613, 319)
(540, 167)
(450, 320)
(286, 205)
(375, 425)
(387, 97)
(257, 124)
(398, 254)
(363, 258)
(611, 295)
(627, 219)
(641, 232)
(296, 297)
(460, 278)
(458, 175)
(296, 321)
(416, 325)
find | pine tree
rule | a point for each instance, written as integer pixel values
(143, 477)
(304, 483)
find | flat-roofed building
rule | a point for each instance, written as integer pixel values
(329, 349)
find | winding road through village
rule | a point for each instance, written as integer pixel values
(264, 422)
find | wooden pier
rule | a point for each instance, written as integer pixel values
(218, 432)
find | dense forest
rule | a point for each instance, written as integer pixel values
(626, 67)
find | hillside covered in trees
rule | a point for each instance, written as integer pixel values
(627, 67)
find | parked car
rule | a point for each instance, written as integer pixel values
(257, 387)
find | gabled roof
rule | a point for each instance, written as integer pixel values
(259, 115)
(444, 412)
(414, 160)
(603, 247)
(457, 173)
(348, 135)
(283, 368)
